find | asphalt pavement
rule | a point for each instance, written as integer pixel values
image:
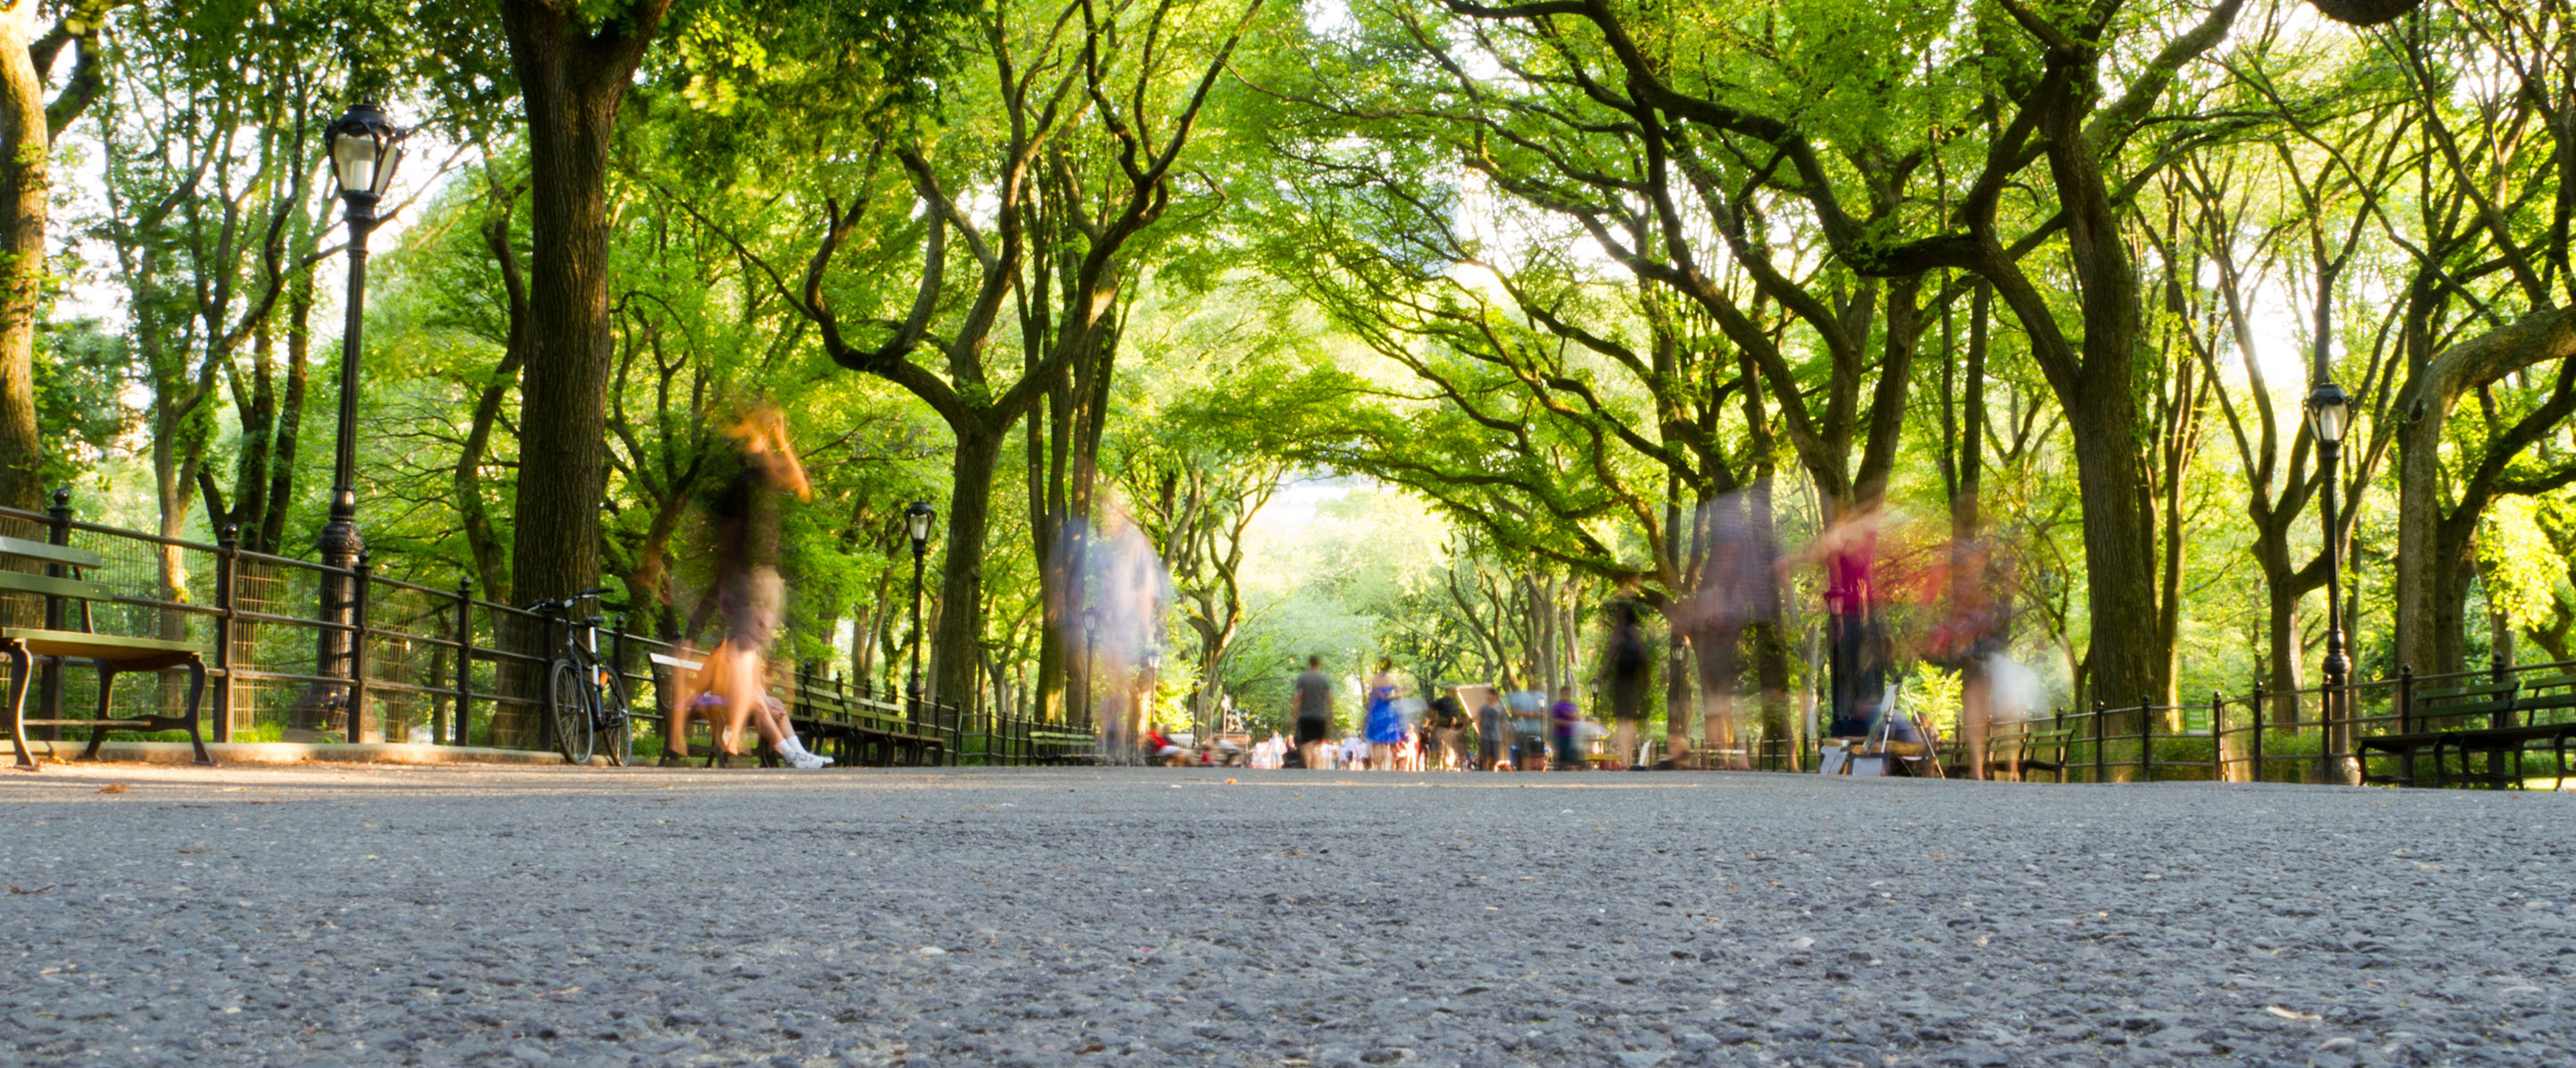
(497, 916)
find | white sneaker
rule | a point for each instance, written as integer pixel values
(807, 761)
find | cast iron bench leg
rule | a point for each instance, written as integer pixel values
(196, 717)
(106, 686)
(21, 665)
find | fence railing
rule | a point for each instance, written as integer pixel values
(429, 665)
(2309, 735)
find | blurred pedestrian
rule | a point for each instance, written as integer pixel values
(1739, 589)
(1848, 552)
(1385, 724)
(1448, 723)
(1562, 718)
(1313, 711)
(1631, 666)
(1493, 733)
(746, 591)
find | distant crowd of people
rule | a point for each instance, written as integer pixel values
(1520, 730)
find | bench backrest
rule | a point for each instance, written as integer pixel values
(49, 584)
(2536, 706)
(2485, 705)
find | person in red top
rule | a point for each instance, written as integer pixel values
(1848, 552)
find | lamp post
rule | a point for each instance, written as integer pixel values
(365, 147)
(1143, 690)
(2329, 415)
(916, 522)
(1090, 664)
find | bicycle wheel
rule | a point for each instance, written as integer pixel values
(615, 737)
(570, 706)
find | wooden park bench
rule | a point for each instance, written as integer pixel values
(2547, 708)
(2471, 721)
(113, 654)
(2044, 749)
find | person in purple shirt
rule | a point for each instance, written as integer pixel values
(1563, 717)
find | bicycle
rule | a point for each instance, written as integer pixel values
(585, 698)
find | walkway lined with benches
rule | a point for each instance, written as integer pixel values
(268, 662)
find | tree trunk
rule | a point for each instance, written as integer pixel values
(2434, 558)
(271, 525)
(26, 140)
(571, 80)
(2124, 658)
(2281, 656)
(957, 634)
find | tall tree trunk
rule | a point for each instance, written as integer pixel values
(572, 80)
(27, 129)
(2281, 653)
(2435, 556)
(271, 525)
(957, 633)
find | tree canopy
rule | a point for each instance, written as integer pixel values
(1421, 328)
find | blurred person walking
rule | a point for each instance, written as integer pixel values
(1493, 734)
(1631, 666)
(746, 590)
(1563, 718)
(1312, 708)
(1848, 552)
(1448, 721)
(1385, 724)
(1739, 590)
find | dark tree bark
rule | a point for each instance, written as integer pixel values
(482, 541)
(573, 71)
(2364, 12)
(2436, 547)
(28, 126)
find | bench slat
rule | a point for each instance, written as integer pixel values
(30, 582)
(86, 646)
(50, 552)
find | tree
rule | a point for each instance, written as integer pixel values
(29, 125)
(574, 63)
(1091, 110)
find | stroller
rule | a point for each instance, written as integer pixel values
(1895, 744)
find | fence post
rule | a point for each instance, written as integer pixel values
(2146, 739)
(227, 558)
(2217, 737)
(358, 649)
(2099, 767)
(58, 531)
(2262, 718)
(464, 660)
(617, 667)
(2405, 698)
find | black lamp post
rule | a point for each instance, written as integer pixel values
(1144, 691)
(2329, 416)
(916, 521)
(365, 146)
(1090, 664)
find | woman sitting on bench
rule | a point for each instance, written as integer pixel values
(728, 694)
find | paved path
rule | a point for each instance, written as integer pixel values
(1135, 917)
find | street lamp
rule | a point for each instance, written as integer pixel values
(2329, 416)
(1143, 701)
(916, 522)
(365, 147)
(1090, 664)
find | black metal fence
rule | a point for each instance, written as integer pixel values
(2311, 735)
(433, 666)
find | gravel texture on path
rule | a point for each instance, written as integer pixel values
(1155, 916)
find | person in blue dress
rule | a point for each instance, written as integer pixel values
(1385, 725)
